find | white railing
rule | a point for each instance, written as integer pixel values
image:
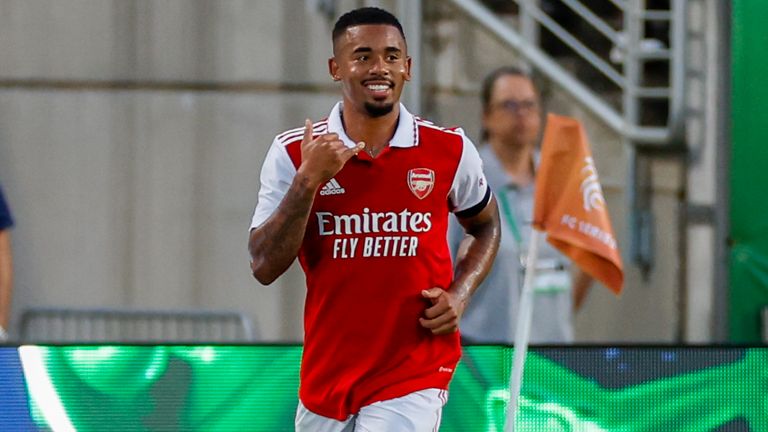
(628, 40)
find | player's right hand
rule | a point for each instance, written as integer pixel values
(324, 156)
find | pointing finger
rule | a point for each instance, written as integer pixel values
(307, 131)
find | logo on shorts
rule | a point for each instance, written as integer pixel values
(421, 181)
(444, 369)
(332, 188)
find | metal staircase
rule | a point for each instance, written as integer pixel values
(623, 60)
(631, 100)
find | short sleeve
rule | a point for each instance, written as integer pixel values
(470, 192)
(277, 174)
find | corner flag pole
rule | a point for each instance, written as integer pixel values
(522, 331)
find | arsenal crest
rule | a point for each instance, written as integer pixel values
(421, 181)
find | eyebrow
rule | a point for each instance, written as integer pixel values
(369, 49)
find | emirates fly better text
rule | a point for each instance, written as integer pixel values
(390, 232)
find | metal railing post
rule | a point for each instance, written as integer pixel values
(528, 27)
(410, 13)
(641, 222)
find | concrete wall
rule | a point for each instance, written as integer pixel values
(132, 134)
(131, 138)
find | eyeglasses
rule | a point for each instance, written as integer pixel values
(522, 107)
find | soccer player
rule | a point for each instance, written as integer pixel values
(362, 198)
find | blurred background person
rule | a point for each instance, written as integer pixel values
(512, 125)
(6, 267)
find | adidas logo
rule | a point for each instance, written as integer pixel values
(332, 188)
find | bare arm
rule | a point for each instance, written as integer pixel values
(6, 277)
(581, 284)
(275, 243)
(473, 262)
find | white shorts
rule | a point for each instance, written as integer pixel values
(415, 412)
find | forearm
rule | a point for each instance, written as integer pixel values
(581, 284)
(6, 278)
(275, 244)
(476, 252)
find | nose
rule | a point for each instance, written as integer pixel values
(379, 67)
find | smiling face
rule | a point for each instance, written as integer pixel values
(372, 64)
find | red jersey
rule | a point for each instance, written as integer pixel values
(375, 238)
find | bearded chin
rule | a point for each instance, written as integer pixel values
(378, 110)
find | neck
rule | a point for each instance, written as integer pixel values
(517, 160)
(375, 132)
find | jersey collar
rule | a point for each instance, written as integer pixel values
(405, 135)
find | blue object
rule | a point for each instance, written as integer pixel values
(14, 402)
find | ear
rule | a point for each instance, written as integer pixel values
(407, 74)
(333, 69)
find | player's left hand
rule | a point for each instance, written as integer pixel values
(444, 314)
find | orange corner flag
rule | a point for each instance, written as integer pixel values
(569, 204)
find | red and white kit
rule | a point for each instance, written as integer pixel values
(376, 237)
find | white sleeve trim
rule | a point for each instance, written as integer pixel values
(469, 186)
(277, 173)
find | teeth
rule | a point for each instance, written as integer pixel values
(378, 87)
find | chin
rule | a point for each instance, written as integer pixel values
(375, 110)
